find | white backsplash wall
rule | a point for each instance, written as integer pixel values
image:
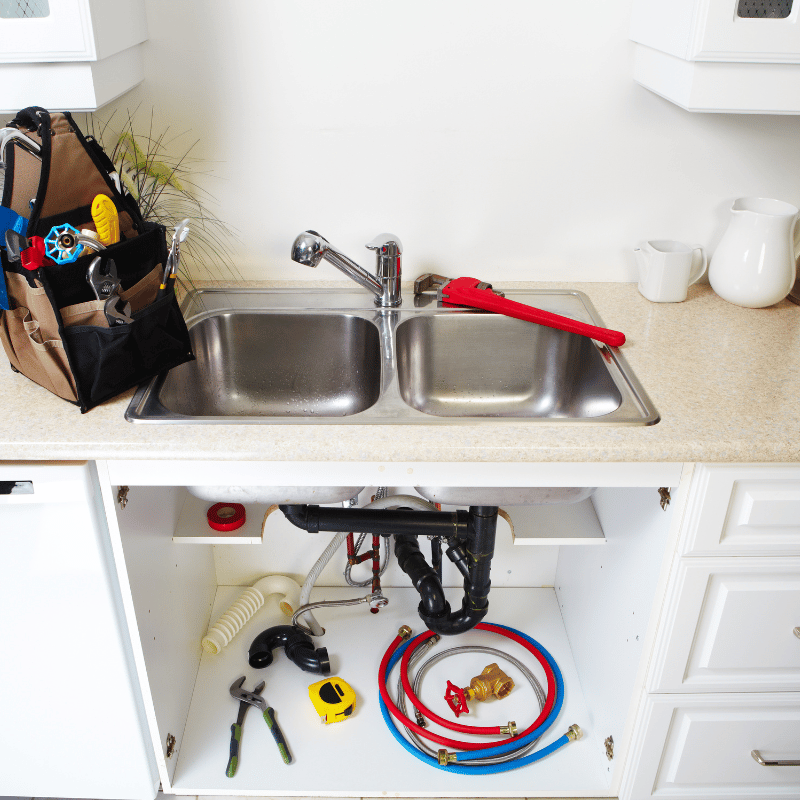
(504, 140)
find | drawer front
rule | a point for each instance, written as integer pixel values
(731, 625)
(699, 747)
(735, 510)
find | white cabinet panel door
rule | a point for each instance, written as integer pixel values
(70, 704)
(731, 627)
(699, 747)
(739, 510)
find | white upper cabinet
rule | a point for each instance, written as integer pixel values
(72, 55)
(720, 55)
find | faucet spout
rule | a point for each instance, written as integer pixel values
(310, 248)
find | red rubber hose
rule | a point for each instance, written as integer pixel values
(493, 730)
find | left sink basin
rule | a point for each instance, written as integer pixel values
(282, 364)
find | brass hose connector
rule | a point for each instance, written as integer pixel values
(510, 729)
(446, 758)
(574, 733)
(404, 633)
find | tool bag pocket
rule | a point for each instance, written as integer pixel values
(29, 333)
(107, 360)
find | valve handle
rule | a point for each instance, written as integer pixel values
(456, 700)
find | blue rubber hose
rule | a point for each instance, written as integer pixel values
(465, 757)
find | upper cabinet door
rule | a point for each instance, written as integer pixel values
(763, 31)
(69, 30)
(748, 30)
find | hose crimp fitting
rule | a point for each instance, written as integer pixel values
(446, 758)
(404, 633)
(510, 729)
(574, 733)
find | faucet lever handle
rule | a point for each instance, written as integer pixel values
(386, 240)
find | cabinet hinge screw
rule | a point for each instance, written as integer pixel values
(609, 743)
(170, 745)
(665, 496)
(122, 496)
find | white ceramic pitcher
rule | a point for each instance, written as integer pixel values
(754, 264)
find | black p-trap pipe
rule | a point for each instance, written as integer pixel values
(476, 529)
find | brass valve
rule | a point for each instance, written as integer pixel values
(492, 682)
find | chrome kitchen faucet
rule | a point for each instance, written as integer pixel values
(310, 248)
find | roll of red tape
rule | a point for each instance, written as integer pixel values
(226, 517)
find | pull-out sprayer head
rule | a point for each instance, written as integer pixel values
(309, 248)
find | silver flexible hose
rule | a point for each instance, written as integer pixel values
(379, 600)
(312, 627)
(541, 696)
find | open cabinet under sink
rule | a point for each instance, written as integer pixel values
(590, 604)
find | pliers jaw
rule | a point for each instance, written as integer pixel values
(251, 698)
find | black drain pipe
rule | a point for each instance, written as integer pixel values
(476, 529)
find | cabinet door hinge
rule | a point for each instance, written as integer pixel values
(665, 496)
(122, 496)
(609, 743)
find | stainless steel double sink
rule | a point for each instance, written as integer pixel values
(310, 356)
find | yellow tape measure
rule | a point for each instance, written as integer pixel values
(333, 698)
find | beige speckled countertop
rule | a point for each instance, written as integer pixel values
(726, 381)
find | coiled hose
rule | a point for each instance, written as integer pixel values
(460, 762)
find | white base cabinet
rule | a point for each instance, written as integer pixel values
(725, 674)
(591, 605)
(72, 713)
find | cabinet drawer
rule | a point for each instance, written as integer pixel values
(731, 625)
(737, 510)
(698, 747)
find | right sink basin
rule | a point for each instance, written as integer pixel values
(484, 365)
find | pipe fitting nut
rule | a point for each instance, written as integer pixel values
(404, 633)
(446, 758)
(574, 733)
(510, 729)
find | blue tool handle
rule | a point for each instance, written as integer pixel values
(277, 735)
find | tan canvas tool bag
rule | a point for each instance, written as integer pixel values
(59, 328)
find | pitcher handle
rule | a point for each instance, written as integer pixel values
(696, 274)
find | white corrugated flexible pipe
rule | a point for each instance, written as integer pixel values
(232, 621)
(395, 501)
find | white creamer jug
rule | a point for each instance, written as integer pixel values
(754, 264)
(667, 269)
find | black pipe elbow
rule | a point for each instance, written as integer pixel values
(300, 517)
(424, 579)
(298, 647)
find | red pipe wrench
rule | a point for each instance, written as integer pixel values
(472, 293)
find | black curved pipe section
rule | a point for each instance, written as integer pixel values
(384, 522)
(433, 604)
(298, 647)
(476, 529)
